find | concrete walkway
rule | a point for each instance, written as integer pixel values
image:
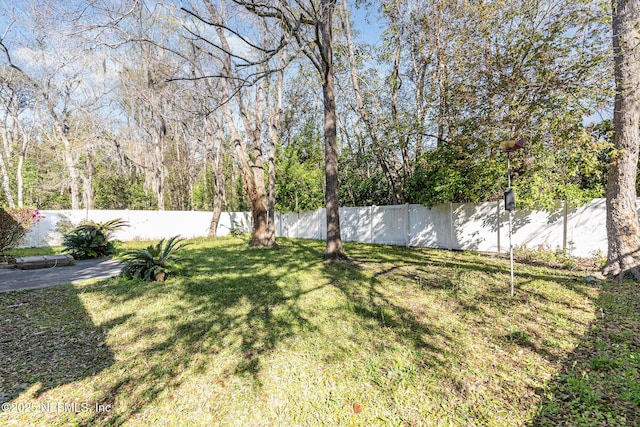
(12, 279)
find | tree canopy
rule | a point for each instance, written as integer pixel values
(155, 104)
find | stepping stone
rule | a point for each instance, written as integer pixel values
(35, 262)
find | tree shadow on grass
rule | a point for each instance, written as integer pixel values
(364, 296)
(233, 307)
(476, 290)
(598, 383)
(47, 339)
(238, 305)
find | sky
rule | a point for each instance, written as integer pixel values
(367, 24)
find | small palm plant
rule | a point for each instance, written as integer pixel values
(155, 262)
(92, 239)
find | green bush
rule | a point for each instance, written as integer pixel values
(14, 225)
(155, 262)
(92, 239)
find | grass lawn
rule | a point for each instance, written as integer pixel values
(277, 337)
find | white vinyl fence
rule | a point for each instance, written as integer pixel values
(457, 226)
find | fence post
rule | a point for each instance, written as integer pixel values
(371, 227)
(450, 226)
(408, 226)
(498, 203)
(564, 226)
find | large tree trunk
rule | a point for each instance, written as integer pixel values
(252, 169)
(334, 249)
(253, 184)
(623, 232)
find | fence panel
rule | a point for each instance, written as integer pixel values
(482, 227)
(390, 225)
(355, 224)
(475, 226)
(587, 229)
(430, 227)
(535, 229)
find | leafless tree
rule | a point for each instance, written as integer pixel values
(308, 26)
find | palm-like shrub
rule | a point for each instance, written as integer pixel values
(155, 262)
(92, 239)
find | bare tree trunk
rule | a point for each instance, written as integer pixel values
(87, 180)
(421, 110)
(396, 195)
(623, 232)
(396, 84)
(20, 181)
(334, 249)
(60, 125)
(5, 182)
(274, 130)
(74, 176)
(441, 75)
(19, 177)
(218, 179)
(217, 202)
(252, 170)
(159, 168)
(254, 188)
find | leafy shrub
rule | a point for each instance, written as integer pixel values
(155, 262)
(92, 239)
(14, 225)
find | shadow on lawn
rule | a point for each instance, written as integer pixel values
(598, 383)
(468, 287)
(243, 303)
(237, 306)
(364, 296)
(47, 341)
(233, 303)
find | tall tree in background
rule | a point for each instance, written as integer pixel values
(323, 60)
(310, 24)
(499, 69)
(374, 130)
(16, 102)
(623, 232)
(234, 95)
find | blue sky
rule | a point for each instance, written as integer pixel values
(367, 24)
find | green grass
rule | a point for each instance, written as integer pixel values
(599, 384)
(12, 254)
(257, 337)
